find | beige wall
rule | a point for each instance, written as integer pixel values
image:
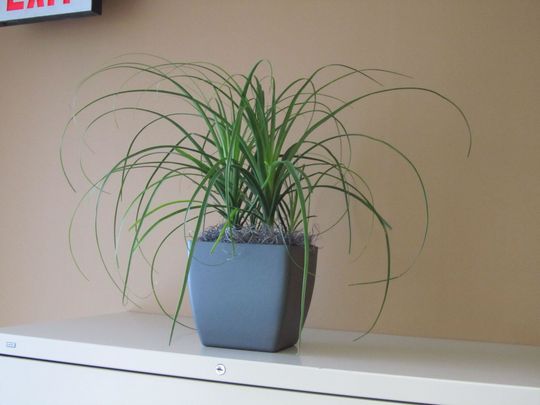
(479, 276)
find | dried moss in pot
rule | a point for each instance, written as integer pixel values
(263, 235)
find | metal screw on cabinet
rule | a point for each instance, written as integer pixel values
(220, 369)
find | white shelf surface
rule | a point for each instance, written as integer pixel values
(394, 368)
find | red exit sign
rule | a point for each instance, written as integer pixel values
(25, 11)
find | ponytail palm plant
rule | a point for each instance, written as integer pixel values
(255, 153)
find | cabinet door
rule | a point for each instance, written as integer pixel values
(24, 382)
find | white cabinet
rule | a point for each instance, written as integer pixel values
(125, 359)
(45, 383)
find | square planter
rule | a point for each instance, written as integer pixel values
(249, 297)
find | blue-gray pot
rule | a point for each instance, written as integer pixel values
(248, 296)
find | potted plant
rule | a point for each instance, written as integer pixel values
(255, 154)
